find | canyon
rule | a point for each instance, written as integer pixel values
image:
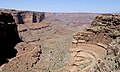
(59, 42)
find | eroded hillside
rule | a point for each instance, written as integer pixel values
(97, 48)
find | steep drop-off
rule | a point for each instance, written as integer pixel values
(27, 20)
(8, 37)
(28, 17)
(23, 17)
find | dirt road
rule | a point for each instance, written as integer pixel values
(84, 57)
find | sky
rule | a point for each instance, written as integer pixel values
(93, 6)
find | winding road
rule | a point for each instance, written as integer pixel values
(84, 57)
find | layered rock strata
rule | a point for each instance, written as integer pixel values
(23, 17)
(27, 20)
(97, 48)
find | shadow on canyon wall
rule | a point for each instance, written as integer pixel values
(8, 37)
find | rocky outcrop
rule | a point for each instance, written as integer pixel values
(103, 29)
(103, 32)
(27, 20)
(8, 37)
(13, 48)
(23, 17)
(107, 20)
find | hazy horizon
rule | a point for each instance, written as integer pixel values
(64, 6)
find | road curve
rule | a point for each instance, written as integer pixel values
(84, 57)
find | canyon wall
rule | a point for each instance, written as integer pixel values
(23, 17)
(8, 37)
(28, 17)
(104, 32)
(27, 20)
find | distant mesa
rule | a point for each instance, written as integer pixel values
(28, 17)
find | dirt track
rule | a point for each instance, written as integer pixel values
(84, 57)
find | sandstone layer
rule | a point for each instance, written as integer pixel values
(27, 19)
(22, 17)
(97, 48)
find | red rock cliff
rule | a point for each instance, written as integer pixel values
(22, 17)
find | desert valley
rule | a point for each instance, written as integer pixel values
(59, 42)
